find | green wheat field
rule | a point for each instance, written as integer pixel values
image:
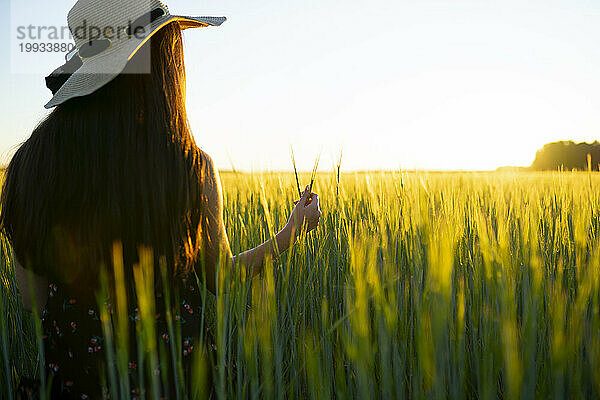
(416, 285)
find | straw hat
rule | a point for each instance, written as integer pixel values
(108, 33)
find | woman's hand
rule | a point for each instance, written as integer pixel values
(306, 214)
(305, 217)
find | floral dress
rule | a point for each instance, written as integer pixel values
(74, 344)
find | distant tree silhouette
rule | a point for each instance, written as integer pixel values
(567, 155)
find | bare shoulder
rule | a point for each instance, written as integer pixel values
(211, 182)
(208, 165)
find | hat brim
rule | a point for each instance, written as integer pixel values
(99, 70)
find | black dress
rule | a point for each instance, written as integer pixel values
(74, 345)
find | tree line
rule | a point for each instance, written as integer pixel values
(567, 155)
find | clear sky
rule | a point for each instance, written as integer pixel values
(395, 84)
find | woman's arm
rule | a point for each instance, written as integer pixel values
(254, 259)
(303, 217)
(39, 291)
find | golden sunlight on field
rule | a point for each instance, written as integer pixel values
(421, 285)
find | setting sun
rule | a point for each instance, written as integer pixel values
(286, 199)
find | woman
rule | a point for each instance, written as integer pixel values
(118, 165)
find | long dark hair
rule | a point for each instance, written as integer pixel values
(119, 165)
